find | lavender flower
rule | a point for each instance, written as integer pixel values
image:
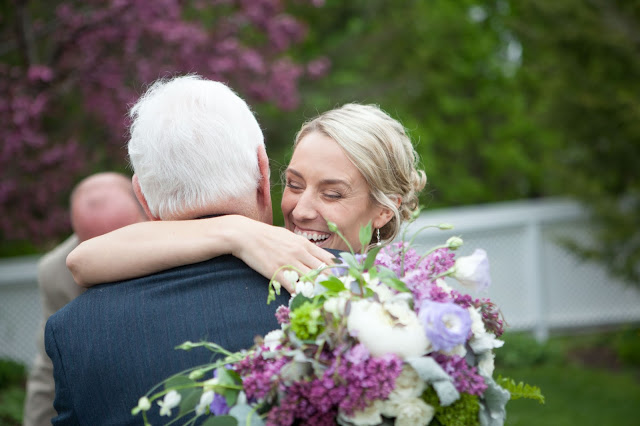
(446, 324)
(219, 405)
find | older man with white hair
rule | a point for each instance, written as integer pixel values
(197, 151)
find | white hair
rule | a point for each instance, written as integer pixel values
(193, 144)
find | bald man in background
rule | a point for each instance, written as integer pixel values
(99, 204)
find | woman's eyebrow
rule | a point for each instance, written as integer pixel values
(323, 181)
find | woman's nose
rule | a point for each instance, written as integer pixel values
(305, 207)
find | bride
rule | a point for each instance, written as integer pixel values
(350, 166)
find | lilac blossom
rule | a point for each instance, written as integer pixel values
(465, 377)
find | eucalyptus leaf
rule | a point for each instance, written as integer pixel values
(494, 401)
(431, 372)
(246, 415)
(350, 260)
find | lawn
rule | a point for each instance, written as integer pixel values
(587, 379)
(591, 379)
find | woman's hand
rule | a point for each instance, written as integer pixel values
(267, 248)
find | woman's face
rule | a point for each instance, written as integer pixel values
(322, 185)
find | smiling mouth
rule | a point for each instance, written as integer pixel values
(314, 237)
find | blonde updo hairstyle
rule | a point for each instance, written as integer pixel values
(381, 150)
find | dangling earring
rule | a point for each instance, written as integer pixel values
(378, 234)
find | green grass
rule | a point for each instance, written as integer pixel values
(583, 379)
(12, 392)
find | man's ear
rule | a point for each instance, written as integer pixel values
(140, 196)
(264, 186)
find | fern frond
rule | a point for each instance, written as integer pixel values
(521, 390)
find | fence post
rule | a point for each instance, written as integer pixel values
(532, 273)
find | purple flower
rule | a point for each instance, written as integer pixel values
(446, 324)
(465, 377)
(219, 405)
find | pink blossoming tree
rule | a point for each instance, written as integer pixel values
(70, 69)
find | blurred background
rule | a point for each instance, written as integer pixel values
(510, 103)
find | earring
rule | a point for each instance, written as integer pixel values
(378, 235)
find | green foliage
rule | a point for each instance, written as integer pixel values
(503, 99)
(520, 390)
(627, 345)
(306, 321)
(581, 73)
(11, 406)
(11, 373)
(12, 393)
(522, 350)
(463, 412)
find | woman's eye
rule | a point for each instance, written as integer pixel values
(333, 195)
(293, 185)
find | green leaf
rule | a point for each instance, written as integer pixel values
(297, 301)
(178, 382)
(371, 257)
(395, 284)
(224, 376)
(190, 398)
(365, 236)
(220, 421)
(332, 283)
(350, 260)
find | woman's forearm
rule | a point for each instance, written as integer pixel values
(149, 247)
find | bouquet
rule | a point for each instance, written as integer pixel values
(378, 338)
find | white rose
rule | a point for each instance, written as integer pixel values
(408, 386)
(370, 416)
(380, 333)
(414, 412)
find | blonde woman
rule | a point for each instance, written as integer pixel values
(351, 166)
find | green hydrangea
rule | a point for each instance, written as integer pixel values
(306, 321)
(463, 412)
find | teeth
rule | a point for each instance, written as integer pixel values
(313, 237)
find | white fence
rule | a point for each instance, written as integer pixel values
(538, 285)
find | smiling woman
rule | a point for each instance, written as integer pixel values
(323, 185)
(351, 166)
